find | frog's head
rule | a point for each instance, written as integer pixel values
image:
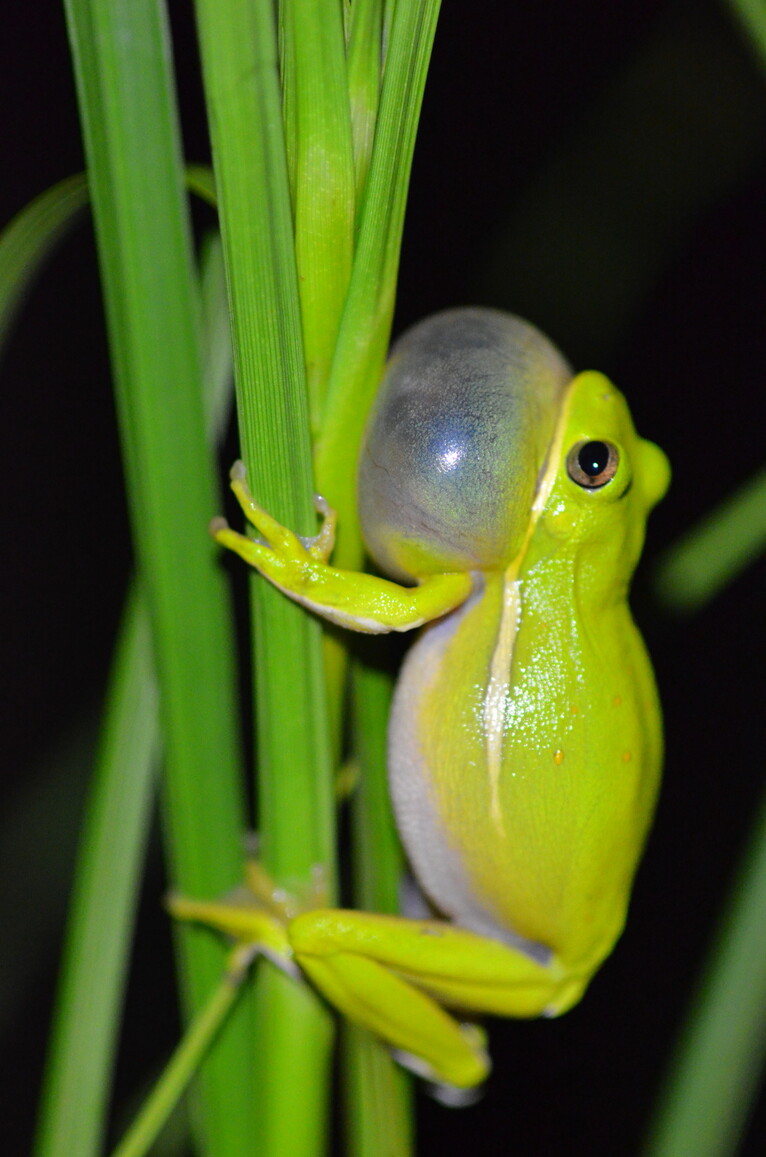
(479, 429)
(601, 479)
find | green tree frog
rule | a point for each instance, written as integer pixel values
(507, 499)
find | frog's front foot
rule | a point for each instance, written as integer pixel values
(276, 537)
(298, 567)
(294, 563)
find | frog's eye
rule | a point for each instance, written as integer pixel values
(592, 464)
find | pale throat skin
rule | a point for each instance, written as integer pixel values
(525, 737)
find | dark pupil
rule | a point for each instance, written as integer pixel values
(593, 458)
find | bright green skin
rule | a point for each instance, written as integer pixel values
(525, 740)
(565, 777)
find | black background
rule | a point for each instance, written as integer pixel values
(511, 87)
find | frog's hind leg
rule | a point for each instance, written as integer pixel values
(394, 976)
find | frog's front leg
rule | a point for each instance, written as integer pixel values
(299, 568)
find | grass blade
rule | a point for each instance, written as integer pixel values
(324, 196)
(109, 871)
(182, 1066)
(81, 1054)
(365, 61)
(295, 794)
(380, 1095)
(136, 177)
(752, 17)
(715, 1075)
(713, 553)
(27, 240)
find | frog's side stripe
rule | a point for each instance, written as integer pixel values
(496, 696)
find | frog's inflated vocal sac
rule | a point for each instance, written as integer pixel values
(525, 737)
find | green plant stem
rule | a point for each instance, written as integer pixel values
(288, 1083)
(379, 1092)
(365, 50)
(324, 194)
(707, 1096)
(136, 177)
(109, 870)
(378, 856)
(106, 881)
(182, 1066)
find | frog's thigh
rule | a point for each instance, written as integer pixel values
(383, 971)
